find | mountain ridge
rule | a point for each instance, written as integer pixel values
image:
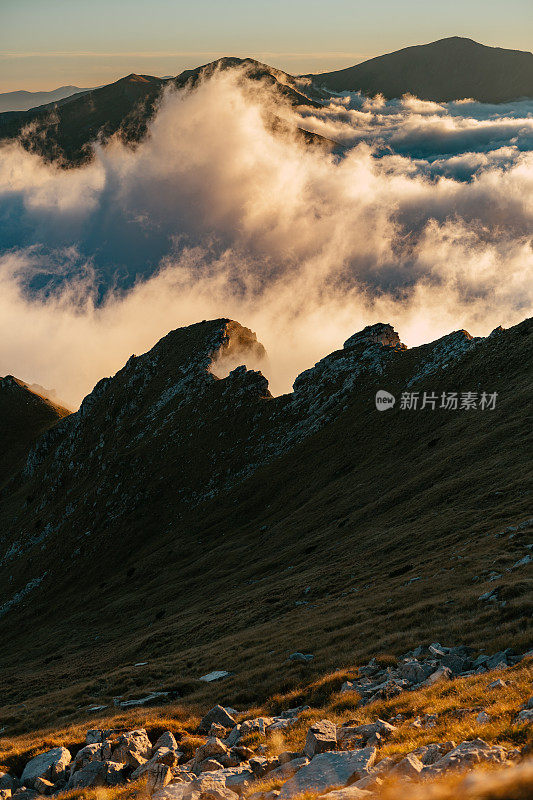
(200, 508)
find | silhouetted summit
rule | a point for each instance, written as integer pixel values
(449, 69)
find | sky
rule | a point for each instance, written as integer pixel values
(49, 43)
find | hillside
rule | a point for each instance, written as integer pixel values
(212, 526)
(64, 131)
(449, 69)
(25, 414)
(23, 101)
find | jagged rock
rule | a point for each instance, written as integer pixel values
(51, 765)
(163, 755)
(467, 755)
(91, 752)
(43, 786)
(365, 732)
(233, 737)
(288, 768)
(97, 773)
(430, 753)
(380, 333)
(408, 767)
(211, 749)
(208, 765)
(526, 715)
(329, 770)
(321, 737)
(157, 776)
(257, 725)
(440, 674)
(414, 671)
(217, 731)
(482, 718)
(217, 715)
(133, 748)
(167, 739)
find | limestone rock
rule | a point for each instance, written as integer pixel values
(167, 739)
(97, 773)
(218, 715)
(321, 737)
(50, 765)
(468, 754)
(329, 770)
(133, 748)
(91, 752)
(408, 767)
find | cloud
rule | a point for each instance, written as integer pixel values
(423, 220)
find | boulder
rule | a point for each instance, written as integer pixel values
(51, 765)
(467, 755)
(132, 748)
(219, 715)
(157, 776)
(209, 765)
(408, 767)
(167, 739)
(213, 748)
(91, 752)
(440, 674)
(321, 737)
(97, 773)
(256, 725)
(430, 753)
(329, 770)
(365, 732)
(288, 768)
(43, 786)
(163, 755)
(303, 657)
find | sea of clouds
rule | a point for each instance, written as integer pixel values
(421, 216)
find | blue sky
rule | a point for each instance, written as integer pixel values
(48, 43)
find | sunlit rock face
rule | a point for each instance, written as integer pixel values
(381, 333)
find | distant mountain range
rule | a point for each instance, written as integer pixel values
(23, 101)
(450, 69)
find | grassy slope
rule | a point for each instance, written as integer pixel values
(456, 704)
(25, 415)
(354, 512)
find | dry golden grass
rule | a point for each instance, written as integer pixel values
(456, 704)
